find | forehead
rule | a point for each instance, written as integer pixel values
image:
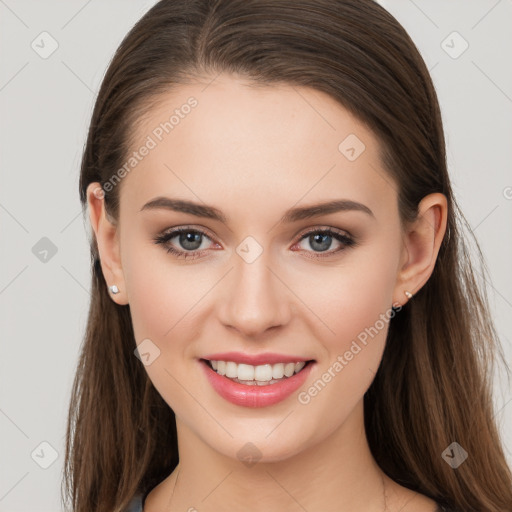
(229, 140)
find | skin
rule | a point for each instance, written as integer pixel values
(253, 153)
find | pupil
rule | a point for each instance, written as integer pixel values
(325, 245)
(190, 238)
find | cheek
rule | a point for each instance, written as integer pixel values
(358, 314)
(355, 304)
(354, 297)
(165, 299)
(160, 293)
(162, 299)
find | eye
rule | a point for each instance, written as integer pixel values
(189, 239)
(321, 240)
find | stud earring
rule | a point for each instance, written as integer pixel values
(408, 294)
(113, 289)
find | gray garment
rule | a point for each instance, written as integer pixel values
(136, 505)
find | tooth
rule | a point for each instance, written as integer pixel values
(278, 371)
(252, 375)
(221, 367)
(263, 372)
(231, 370)
(289, 369)
(245, 372)
(299, 366)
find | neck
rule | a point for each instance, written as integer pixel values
(339, 473)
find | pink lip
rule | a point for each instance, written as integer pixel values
(256, 359)
(255, 396)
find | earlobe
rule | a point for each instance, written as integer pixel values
(107, 240)
(422, 240)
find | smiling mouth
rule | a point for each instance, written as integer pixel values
(260, 375)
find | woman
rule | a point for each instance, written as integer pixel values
(283, 313)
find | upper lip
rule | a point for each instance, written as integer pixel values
(255, 359)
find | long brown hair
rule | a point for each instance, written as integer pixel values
(434, 384)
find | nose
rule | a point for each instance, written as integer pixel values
(255, 299)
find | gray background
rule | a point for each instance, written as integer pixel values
(45, 107)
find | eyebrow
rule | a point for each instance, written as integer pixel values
(291, 215)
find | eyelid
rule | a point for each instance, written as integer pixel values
(205, 231)
(323, 227)
(169, 233)
(174, 231)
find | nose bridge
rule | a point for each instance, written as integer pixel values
(256, 300)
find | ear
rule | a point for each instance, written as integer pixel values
(107, 239)
(422, 240)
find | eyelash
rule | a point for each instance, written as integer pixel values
(164, 238)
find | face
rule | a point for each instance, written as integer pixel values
(256, 279)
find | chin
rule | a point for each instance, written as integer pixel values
(249, 447)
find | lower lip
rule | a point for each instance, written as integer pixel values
(254, 395)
